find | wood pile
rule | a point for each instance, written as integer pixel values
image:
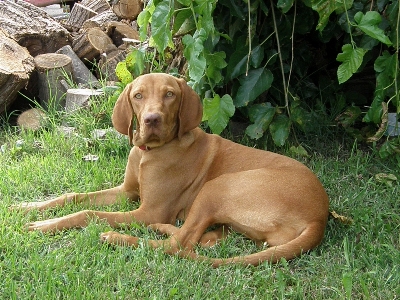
(43, 55)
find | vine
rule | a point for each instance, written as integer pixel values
(309, 69)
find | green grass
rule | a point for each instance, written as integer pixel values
(358, 261)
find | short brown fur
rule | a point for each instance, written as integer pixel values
(179, 172)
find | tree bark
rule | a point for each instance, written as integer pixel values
(98, 6)
(52, 69)
(118, 30)
(16, 65)
(100, 20)
(80, 72)
(31, 27)
(77, 98)
(128, 9)
(79, 14)
(91, 43)
(108, 64)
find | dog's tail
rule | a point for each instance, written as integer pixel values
(307, 240)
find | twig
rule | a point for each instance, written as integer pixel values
(249, 32)
(280, 59)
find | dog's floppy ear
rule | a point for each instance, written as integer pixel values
(123, 115)
(190, 111)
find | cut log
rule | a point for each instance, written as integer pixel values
(118, 31)
(16, 65)
(77, 98)
(128, 9)
(32, 119)
(31, 27)
(52, 68)
(79, 14)
(91, 43)
(80, 72)
(98, 6)
(100, 20)
(108, 63)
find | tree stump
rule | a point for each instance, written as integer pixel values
(79, 14)
(31, 27)
(80, 72)
(98, 6)
(16, 65)
(128, 9)
(108, 64)
(100, 20)
(52, 68)
(91, 43)
(77, 98)
(118, 30)
(32, 119)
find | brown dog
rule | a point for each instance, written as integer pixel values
(180, 172)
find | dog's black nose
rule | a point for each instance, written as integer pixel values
(152, 119)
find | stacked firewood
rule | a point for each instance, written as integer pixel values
(44, 55)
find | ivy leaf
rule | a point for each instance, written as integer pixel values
(386, 63)
(143, 20)
(237, 63)
(184, 22)
(160, 26)
(325, 8)
(279, 129)
(135, 62)
(217, 111)
(193, 52)
(257, 56)
(185, 2)
(215, 63)
(206, 21)
(368, 23)
(122, 73)
(351, 59)
(253, 85)
(285, 5)
(262, 115)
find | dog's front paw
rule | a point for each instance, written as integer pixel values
(51, 225)
(115, 238)
(28, 206)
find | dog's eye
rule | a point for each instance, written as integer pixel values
(169, 94)
(138, 96)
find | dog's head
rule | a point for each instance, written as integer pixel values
(161, 106)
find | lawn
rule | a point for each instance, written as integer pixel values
(358, 261)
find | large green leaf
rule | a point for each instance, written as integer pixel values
(279, 129)
(161, 33)
(123, 73)
(215, 63)
(262, 115)
(253, 85)
(135, 62)
(184, 22)
(217, 111)
(237, 63)
(325, 8)
(285, 5)
(194, 53)
(143, 21)
(368, 23)
(351, 59)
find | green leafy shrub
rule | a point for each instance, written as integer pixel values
(279, 65)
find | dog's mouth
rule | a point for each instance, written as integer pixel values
(153, 136)
(147, 140)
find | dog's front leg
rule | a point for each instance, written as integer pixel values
(82, 218)
(104, 197)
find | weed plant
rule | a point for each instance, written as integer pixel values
(357, 261)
